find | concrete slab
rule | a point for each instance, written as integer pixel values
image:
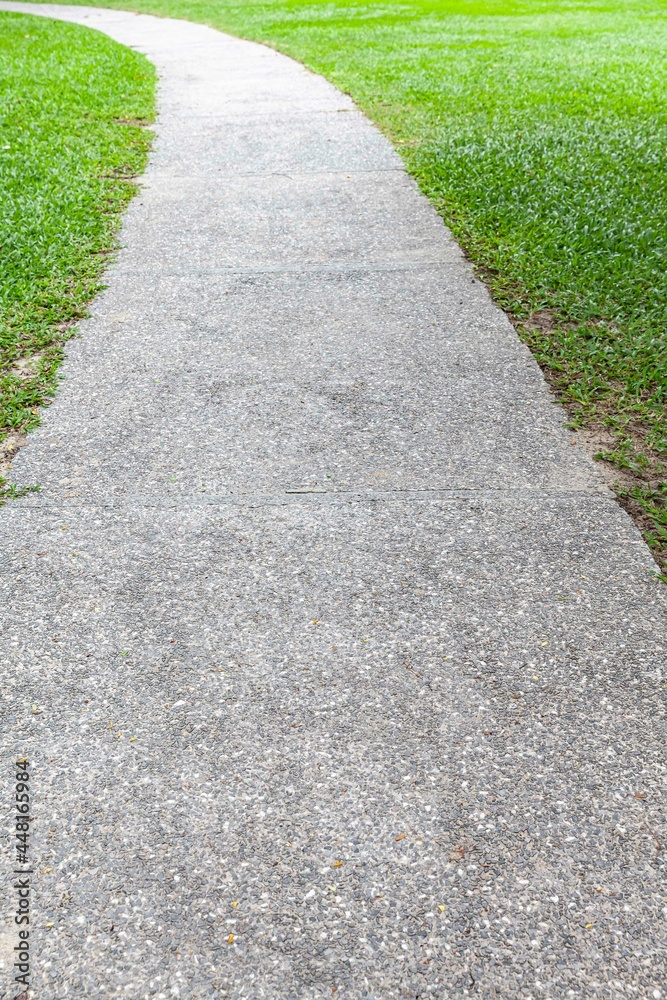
(370, 724)
(282, 371)
(329, 143)
(378, 710)
(186, 224)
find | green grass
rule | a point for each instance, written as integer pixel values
(539, 130)
(66, 168)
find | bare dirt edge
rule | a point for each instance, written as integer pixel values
(593, 437)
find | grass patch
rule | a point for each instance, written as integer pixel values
(539, 130)
(67, 164)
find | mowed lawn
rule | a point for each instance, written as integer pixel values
(539, 130)
(71, 103)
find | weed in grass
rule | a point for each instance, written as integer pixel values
(66, 172)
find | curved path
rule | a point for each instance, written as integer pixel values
(350, 671)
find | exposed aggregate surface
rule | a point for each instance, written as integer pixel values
(350, 673)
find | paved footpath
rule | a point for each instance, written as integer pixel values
(350, 670)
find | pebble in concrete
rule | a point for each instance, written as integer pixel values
(350, 674)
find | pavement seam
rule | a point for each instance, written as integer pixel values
(601, 493)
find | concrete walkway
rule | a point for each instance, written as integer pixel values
(350, 670)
